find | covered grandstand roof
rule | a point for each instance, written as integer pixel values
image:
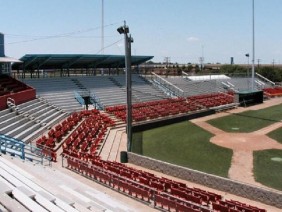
(58, 61)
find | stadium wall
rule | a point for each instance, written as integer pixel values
(19, 97)
(269, 197)
(142, 126)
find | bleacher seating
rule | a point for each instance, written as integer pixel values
(12, 88)
(103, 88)
(29, 119)
(193, 88)
(82, 134)
(31, 187)
(9, 84)
(142, 90)
(85, 131)
(164, 193)
(162, 108)
(273, 92)
(57, 91)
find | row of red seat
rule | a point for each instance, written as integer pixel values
(212, 100)
(164, 193)
(56, 133)
(86, 139)
(235, 206)
(173, 204)
(163, 108)
(148, 194)
(160, 184)
(79, 140)
(9, 84)
(138, 184)
(273, 92)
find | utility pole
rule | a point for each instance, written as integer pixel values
(259, 60)
(166, 61)
(127, 42)
(102, 29)
(253, 59)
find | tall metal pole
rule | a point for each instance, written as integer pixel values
(102, 29)
(128, 41)
(253, 59)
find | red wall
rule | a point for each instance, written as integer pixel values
(20, 97)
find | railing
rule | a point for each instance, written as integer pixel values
(79, 98)
(11, 103)
(96, 101)
(265, 79)
(172, 89)
(25, 151)
(184, 73)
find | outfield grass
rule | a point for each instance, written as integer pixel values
(249, 121)
(268, 168)
(276, 135)
(184, 144)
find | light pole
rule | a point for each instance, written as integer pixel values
(253, 59)
(127, 43)
(248, 69)
(248, 56)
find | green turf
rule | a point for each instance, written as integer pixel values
(249, 121)
(184, 144)
(268, 168)
(276, 135)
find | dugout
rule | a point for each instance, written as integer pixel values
(247, 98)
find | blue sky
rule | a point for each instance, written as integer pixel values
(182, 29)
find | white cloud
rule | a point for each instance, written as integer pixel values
(192, 39)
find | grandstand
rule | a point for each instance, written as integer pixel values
(55, 120)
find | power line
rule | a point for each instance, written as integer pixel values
(69, 34)
(109, 46)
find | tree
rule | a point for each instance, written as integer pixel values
(232, 69)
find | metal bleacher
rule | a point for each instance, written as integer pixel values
(104, 90)
(111, 90)
(58, 91)
(26, 121)
(192, 88)
(142, 90)
(30, 187)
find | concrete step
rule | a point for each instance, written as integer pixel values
(27, 132)
(4, 112)
(21, 128)
(8, 119)
(12, 126)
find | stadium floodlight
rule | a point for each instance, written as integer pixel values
(123, 29)
(248, 56)
(127, 41)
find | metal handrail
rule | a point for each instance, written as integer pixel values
(177, 91)
(79, 98)
(265, 79)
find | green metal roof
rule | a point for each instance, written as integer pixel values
(58, 61)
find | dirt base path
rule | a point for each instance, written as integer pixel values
(242, 144)
(242, 159)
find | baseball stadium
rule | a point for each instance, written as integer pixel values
(86, 132)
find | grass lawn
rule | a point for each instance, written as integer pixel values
(268, 168)
(184, 144)
(276, 135)
(249, 121)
